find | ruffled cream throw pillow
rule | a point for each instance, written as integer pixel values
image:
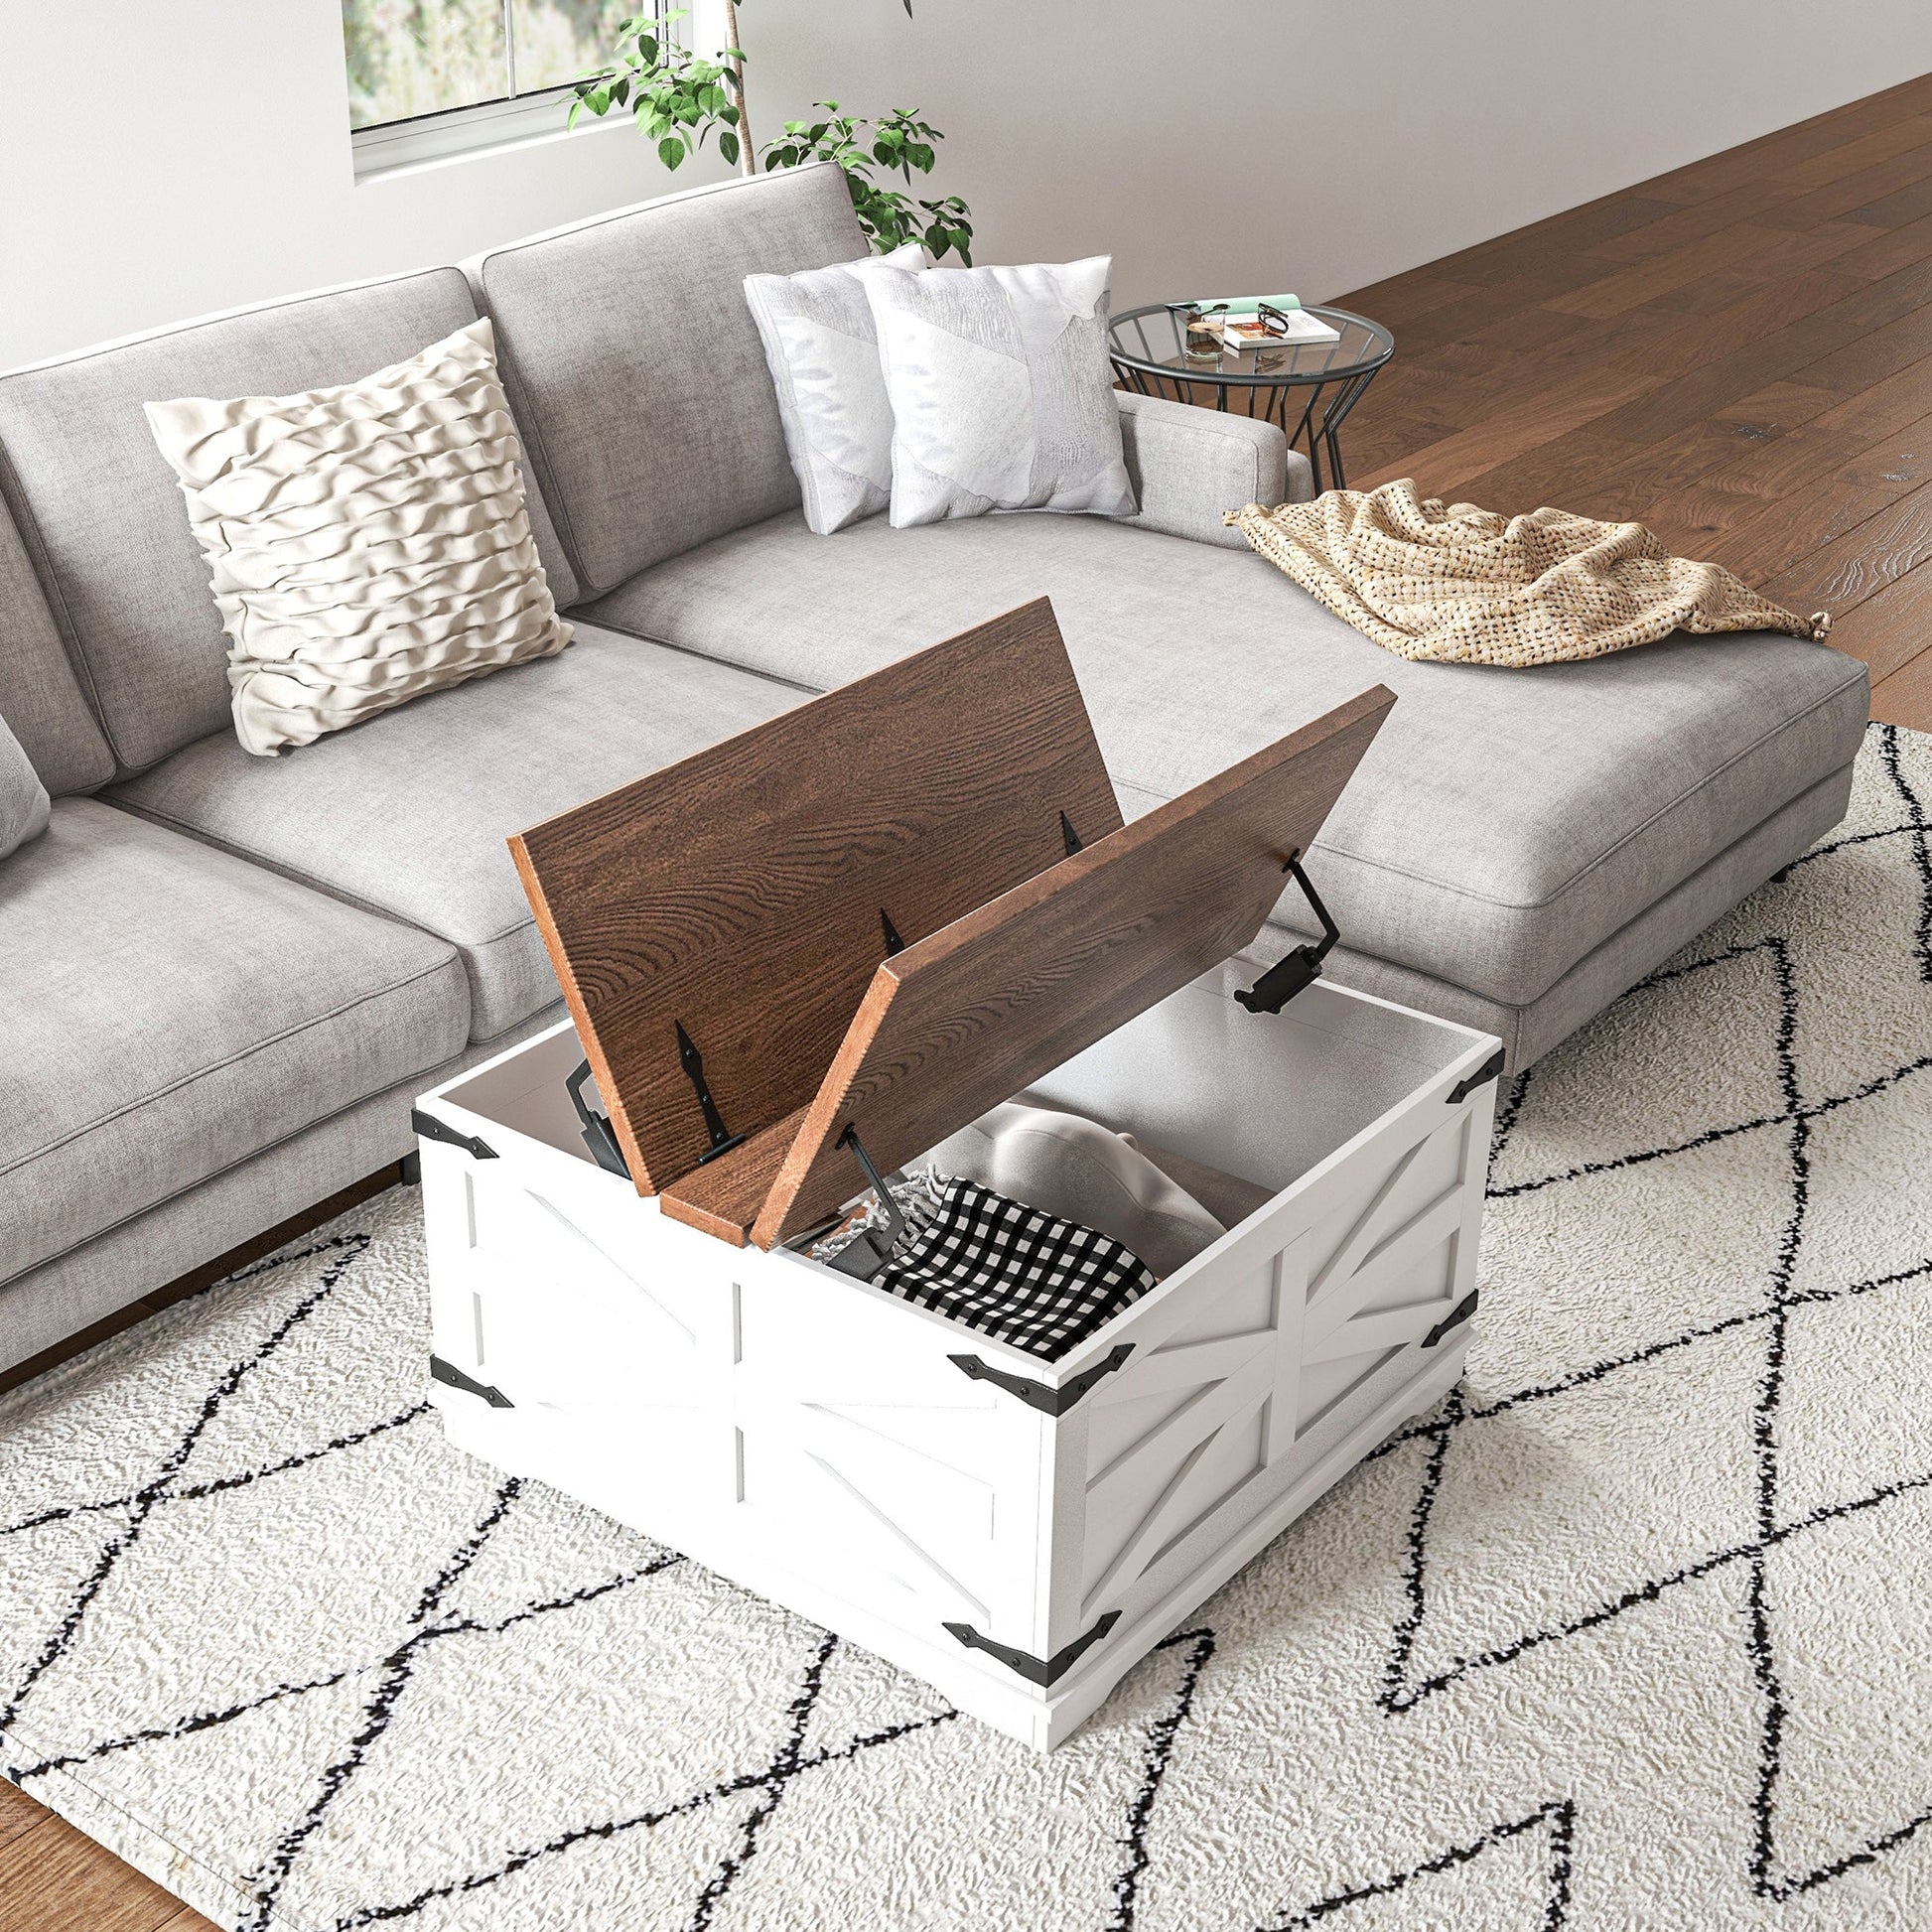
(23, 798)
(368, 542)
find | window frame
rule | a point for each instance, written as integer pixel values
(480, 127)
(451, 133)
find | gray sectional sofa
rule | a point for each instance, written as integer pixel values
(222, 978)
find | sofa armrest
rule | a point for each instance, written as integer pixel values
(1190, 465)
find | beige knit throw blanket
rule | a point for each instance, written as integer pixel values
(1458, 585)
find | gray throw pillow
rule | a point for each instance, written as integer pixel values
(23, 798)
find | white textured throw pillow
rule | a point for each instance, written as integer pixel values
(1001, 388)
(23, 798)
(1064, 1164)
(368, 542)
(823, 353)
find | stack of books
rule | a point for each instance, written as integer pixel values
(1250, 322)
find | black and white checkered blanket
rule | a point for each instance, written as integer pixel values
(1011, 1272)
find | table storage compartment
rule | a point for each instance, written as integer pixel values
(1017, 1532)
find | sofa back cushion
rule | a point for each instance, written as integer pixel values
(634, 368)
(39, 696)
(99, 506)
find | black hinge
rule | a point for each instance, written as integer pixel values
(1453, 1320)
(452, 1377)
(429, 1128)
(1040, 1395)
(1036, 1670)
(1490, 1069)
(1301, 968)
(692, 1061)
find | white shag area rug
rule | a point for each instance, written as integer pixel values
(1635, 1632)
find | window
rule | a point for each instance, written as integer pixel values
(433, 78)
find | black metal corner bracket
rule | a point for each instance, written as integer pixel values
(1454, 1318)
(1040, 1395)
(722, 1139)
(1042, 1671)
(893, 943)
(427, 1127)
(598, 1135)
(1069, 837)
(1301, 968)
(452, 1377)
(1490, 1069)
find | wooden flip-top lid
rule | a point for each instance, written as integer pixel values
(876, 913)
(974, 1012)
(745, 895)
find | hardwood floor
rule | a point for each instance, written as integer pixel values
(55, 1880)
(1738, 354)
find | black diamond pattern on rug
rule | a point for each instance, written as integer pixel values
(1768, 1562)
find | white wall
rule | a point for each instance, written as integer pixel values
(1277, 143)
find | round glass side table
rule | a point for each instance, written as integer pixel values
(1307, 388)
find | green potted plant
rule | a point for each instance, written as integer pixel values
(678, 98)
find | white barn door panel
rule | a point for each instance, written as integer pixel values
(865, 1453)
(1208, 1425)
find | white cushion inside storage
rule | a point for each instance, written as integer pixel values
(1068, 1165)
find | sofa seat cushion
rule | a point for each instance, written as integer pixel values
(407, 813)
(1503, 823)
(178, 1011)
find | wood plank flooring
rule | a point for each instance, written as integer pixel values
(53, 1878)
(1738, 354)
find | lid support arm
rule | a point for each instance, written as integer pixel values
(598, 1136)
(1299, 968)
(870, 1252)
